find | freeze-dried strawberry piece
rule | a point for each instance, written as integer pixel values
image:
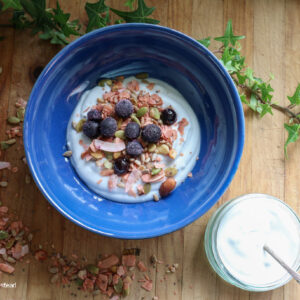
(108, 262)
(129, 260)
(6, 268)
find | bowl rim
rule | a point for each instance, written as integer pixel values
(238, 111)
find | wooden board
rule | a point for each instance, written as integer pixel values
(272, 28)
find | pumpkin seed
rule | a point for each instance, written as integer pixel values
(104, 81)
(4, 145)
(142, 111)
(107, 164)
(79, 125)
(11, 260)
(81, 274)
(92, 269)
(171, 171)
(108, 155)
(120, 134)
(13, 120)
(53, 270)
(126, 290)
(78, 281)
(147, 188)
(21, 113)
(96, 292)
(155, 171)
(143, 75)
(163, 149)
(3, 235)
(10, 142)
(3, 183)
(151, 147)
(119, 124)
(30, 236)
(97, 155)
(154, 113)
(68, 153)
(54, 278)
(10, 243)
(135, 119)
(119, 286)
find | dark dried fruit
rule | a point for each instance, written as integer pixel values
(94, 115)
(121, 165)
(134, 148)
(151, 133)
(132, 130)
(108, 127)
(91, 129)
(124, 108)
(168, 116)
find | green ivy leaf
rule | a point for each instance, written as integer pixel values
(266, 89)
(229, 37)
(41, 18)
(62, 20)
(15, 4)
(253, 102)
(249, 75)
(137, 16)
(129, 3)
(205, 42)
(98, 14)
(295, 99)
(241, 78)
(244, 99)
(293, 135)
(263, 109)
(119, 21)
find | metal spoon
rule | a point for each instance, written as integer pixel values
(293, 273)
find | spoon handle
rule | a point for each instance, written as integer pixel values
(294, 274)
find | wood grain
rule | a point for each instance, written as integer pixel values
(272, 44)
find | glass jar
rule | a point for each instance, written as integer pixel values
(213, 239)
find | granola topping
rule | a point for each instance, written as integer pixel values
(124, 139)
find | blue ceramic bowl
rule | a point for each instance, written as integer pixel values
(125, 50)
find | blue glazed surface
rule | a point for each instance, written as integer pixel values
(125, 50)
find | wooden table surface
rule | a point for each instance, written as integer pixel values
(272, 44)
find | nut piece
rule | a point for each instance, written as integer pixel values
(167, 187)
(68, 153)
(163, 149)
(116, 155)
(173, 153)
(171, 172)
(151, 147)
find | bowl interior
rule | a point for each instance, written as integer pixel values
(126, 50)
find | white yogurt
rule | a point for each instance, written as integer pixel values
(243, 231)
(90, 173)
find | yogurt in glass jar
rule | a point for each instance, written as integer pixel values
(235, 236)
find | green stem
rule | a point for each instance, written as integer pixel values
(285, 110)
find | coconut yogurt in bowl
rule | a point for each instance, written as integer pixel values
(157, 167)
